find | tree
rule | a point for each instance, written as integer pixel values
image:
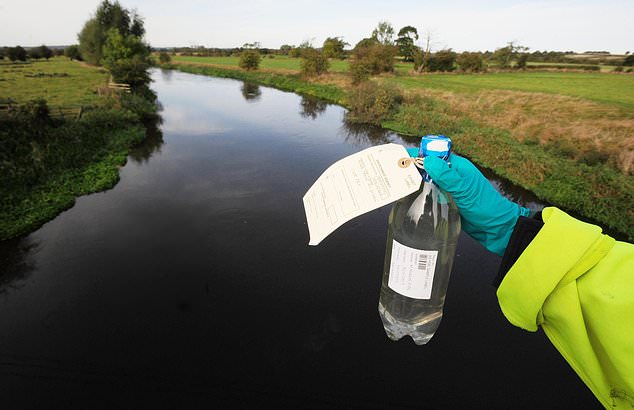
(370, 57)
(421, 57)
(250, 57)
(520, 62)
(16, 53)
(333, 47)
(45, 52)
(285, 49)
(629, 60)
(72, 52)
(405, 42)
(504, 56)
(384, 33)
(313, 62)
(91, 39)
(127, 58)
(108, 16)
(34, 53)
(164, 58)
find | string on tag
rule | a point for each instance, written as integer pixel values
(405, 162)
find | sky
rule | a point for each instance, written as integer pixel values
(557, 25)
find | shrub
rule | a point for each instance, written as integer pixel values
(16, 53)
(72, 52)
(520, 64)
(470, 62)
(372, 103)
(369, 57)
(249, 59)
(334, 47)
(442, 60)
(295, 52)
(313, 63)
(139, 104)
(36, 111)
(164, 58)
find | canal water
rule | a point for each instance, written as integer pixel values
(190, 284)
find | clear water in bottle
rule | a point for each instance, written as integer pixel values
(421, 243)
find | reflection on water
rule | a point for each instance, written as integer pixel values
(152, 143)
(312, 107)
(16, 262)
(251, 91)
(166, 75)
(360, 135)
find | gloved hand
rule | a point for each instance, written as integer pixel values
(485, 214)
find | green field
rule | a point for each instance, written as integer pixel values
(60, 81)
(612, 89)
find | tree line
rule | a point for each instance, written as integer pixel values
(379, 52)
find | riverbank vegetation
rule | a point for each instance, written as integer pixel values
(66, 127)
(567, 136)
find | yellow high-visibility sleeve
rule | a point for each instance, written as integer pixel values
(578, 285)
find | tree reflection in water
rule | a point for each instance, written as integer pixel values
(251, 91)
(152, 143)
(16, 263)
(312, 107)
(359, 134)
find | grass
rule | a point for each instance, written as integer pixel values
(277, 63)
(44, 166)
(60, 81)
(25, 207)
(566, 136)
(617, 90)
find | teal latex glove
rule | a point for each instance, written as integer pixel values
(413, 152)
(486, 215)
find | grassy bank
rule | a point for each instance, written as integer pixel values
(573, 151)
(59, 81)
(46, 162)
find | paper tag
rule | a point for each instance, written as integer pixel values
(355, 185)
(412, 271)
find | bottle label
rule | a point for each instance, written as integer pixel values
(412, 271)
(357, 184)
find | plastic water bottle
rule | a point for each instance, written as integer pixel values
(422, 235)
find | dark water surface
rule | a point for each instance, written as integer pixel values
(190, 284)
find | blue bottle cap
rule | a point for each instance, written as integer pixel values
(435, 145)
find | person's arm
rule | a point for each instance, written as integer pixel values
(557, 273)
